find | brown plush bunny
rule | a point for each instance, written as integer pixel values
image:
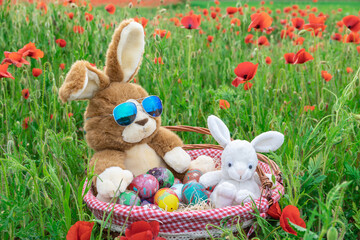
(122, 151)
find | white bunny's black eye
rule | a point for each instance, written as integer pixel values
(229, 164)
(250, 166)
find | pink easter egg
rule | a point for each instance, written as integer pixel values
(147, 185)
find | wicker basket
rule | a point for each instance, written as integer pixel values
(192, 224)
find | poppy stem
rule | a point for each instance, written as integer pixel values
(275, 229)
(189, 58)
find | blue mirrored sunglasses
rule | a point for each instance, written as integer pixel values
(125, 113)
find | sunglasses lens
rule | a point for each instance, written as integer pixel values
(125, 113)
(152, 105)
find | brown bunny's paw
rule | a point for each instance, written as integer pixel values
(112, 182)
(203, 163)
(178, 159)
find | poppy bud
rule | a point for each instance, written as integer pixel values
(332, 233)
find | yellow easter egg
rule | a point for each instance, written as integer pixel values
(166, 199)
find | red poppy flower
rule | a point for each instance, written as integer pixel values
(289, 58)
(249, 38)
(191, 22)
(89, 17)
(292, 214)
(158, 60)
(337, 37)
(213, 15)
(110, 8)
(263, 41)
(62, 66)
(80, 231)
(36, 72)
(31, 51)
(223, 104)
(247, 86)
(235, 21)
(3, 71)
(275, 211)
(142, 230)
(299, 58)
(287, 9)
(231, 10)
(260, 21)
(205, 12)
(25, 93)
(349, 70)
(306, 108)
(298, 23)
(60, 42)
(70, 115)
(353, 37)
(299, 41)
(70, 15)
(315, 22)
(210, 38)
(176, 21)
(326, 76)
(162, 33)
(268, 60)
(143, 21)
(352, 22)
(358, 49)
(240, 9)
(25, 123)
(244, 71)
(78, 29)
(41, 6)
(14, 58)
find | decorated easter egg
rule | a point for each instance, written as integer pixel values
(151, 206)
(177, 188)
(166, 199)
(129, 198)
(192, 175)
(145, 202)
(146, 184)
(163, 175)
(177, 181)
(193, 193)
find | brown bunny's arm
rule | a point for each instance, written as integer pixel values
(105, 159)
(165, 141)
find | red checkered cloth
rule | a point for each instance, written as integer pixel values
(189, 221)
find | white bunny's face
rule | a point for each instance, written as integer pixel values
(239, 160)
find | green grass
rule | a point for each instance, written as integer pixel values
(43, 167)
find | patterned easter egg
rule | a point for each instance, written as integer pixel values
(145, 202)
(129, 198)
(146, 184)
(163, 175)
(177, 188)
(192, 175)
(177, 181)
(193, 193)
(166, 199)
(151, 206)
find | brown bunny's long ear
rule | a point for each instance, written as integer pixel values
(125, 51)
(82, 82)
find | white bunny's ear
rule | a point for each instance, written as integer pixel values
(219, 130)
(268, 141)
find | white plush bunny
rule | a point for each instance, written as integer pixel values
(237, 181)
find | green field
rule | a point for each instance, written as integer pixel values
(43, 166)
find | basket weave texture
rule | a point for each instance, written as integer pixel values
(194, 222)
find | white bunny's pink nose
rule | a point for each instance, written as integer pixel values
(240, 172)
